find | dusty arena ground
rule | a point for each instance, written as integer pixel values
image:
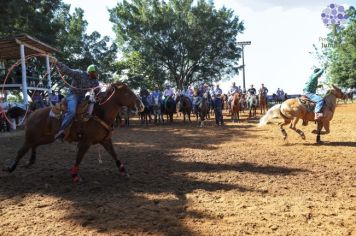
(234, 180)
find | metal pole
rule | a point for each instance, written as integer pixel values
(243, 68)
(23, 70)
(48, 76)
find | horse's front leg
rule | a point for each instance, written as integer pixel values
(83, 147)
(107, 144)
(293, 126)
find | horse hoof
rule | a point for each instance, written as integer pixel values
(77, 179)
(28, 164)
(8, 169)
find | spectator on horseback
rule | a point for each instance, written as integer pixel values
(251, 91)
(168, 94)
(156, 94)
(217, 90)
(81, 83)
(263, 90)
(188, 93)
(197, 96)
(310, 91)
(234, 89)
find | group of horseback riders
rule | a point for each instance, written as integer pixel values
(84, 81)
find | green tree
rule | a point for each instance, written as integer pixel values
(183, 41)
(342, 69)
(52, 23)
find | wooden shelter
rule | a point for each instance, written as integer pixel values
(18, 47)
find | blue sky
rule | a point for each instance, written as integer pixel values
(282, 33)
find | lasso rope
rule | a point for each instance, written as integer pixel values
(18, 62)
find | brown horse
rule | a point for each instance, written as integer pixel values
(185, 106)
(235, 108)
(41, 128)
(293, 109)
(263, 102)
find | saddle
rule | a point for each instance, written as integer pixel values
(71, 133)
(307, 103)
(60, 109)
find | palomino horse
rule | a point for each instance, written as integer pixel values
(252, 103)
(41, 128)
(185, 106)
(235, 108)
(293, 109)
(263, 102)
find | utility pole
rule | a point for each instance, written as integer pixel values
(243, 44)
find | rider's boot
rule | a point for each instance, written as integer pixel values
(318, 116)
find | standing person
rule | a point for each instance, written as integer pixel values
(310, 91)
(218, 105)
(81, 83)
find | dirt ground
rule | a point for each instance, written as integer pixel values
(234, 180)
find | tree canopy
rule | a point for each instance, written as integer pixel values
(343, 56)
(53, 23)
(181, 41)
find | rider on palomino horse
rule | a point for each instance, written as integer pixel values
(310, 91)
(81, 83)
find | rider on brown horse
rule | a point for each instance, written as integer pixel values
(81, 83)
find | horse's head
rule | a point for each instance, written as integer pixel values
(337, 92)
(124, 96)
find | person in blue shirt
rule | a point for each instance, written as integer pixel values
(156, 93)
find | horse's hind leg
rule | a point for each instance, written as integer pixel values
(107, 144)
(32, 158)
(281, 124)
(23, 150)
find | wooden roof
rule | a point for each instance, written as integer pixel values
(10, 47)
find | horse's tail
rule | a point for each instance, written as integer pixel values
(273, 112)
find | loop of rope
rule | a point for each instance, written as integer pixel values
(18, 62)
